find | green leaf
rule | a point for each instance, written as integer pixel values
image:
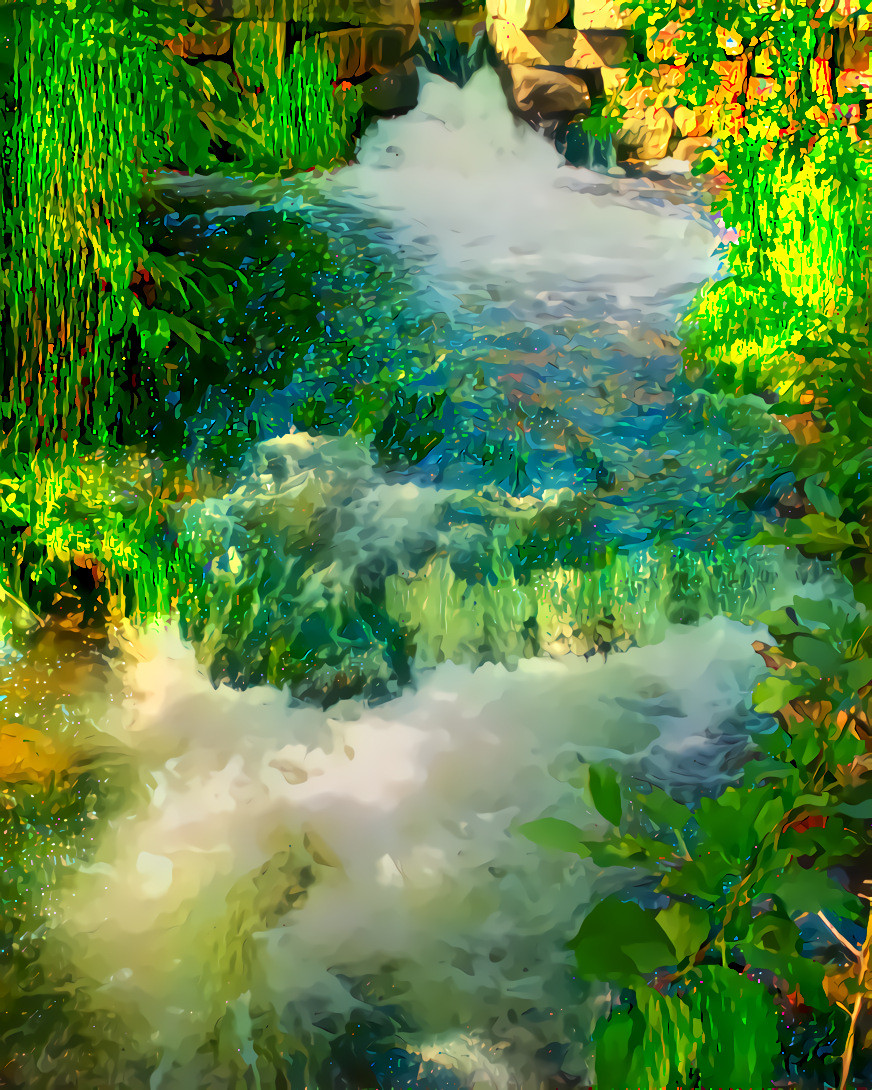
(859, 673)
(686, 926)
(775, 693)
(818, 653)
(663, 810)
(605, 791)
(823, 499)
(561, 836)
(185, 330)
(799, 891)
(620, 940)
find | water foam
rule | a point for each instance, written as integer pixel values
(391, 829)
(493, 211)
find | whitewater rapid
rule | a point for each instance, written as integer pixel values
(493, 215)
(275, 856)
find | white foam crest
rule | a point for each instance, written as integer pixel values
(495, 210)
(405, 814)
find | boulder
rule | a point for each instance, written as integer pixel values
(394, 92)
(647, 129)
(557, 48)
(368, 12)
(647, 136)
(529, 14)
(512, 45)
(543, 93)
(583, 52)
(689, 149)
(597, 14)
(357, 51)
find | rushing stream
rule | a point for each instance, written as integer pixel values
(281, 879)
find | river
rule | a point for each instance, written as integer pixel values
(539, 560)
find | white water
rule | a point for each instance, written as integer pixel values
(492, 211)
(406, 814)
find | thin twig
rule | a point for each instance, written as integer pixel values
(862, 970)
(849, 946)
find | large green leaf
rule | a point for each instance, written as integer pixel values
(686, 926)
(605, 790)
(620, 940)
(561, 836)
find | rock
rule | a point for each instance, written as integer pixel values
(368, 12)
(512, 45)
(529, 14)
(688, 150)
(647, 130)
(544, 93)
(394, 92)
(358, 51)
(557, 48)
(597, 14)
(582, 52)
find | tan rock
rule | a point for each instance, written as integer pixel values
(572, 49)
(512, 45)
(557, 48)
(689, 149)
(370, 12)
(543, 93)
(359, 50)
(648, 132)
(597, 14)
(529, 14)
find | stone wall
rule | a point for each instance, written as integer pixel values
(557, 51)
(554, 52)
(554, 57)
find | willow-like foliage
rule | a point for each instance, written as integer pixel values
(300, 114)
(72, 222)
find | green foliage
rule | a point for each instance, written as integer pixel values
(74, 523)
(710, 947)
(96, 103)
(302, 117)
(723, 1028)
